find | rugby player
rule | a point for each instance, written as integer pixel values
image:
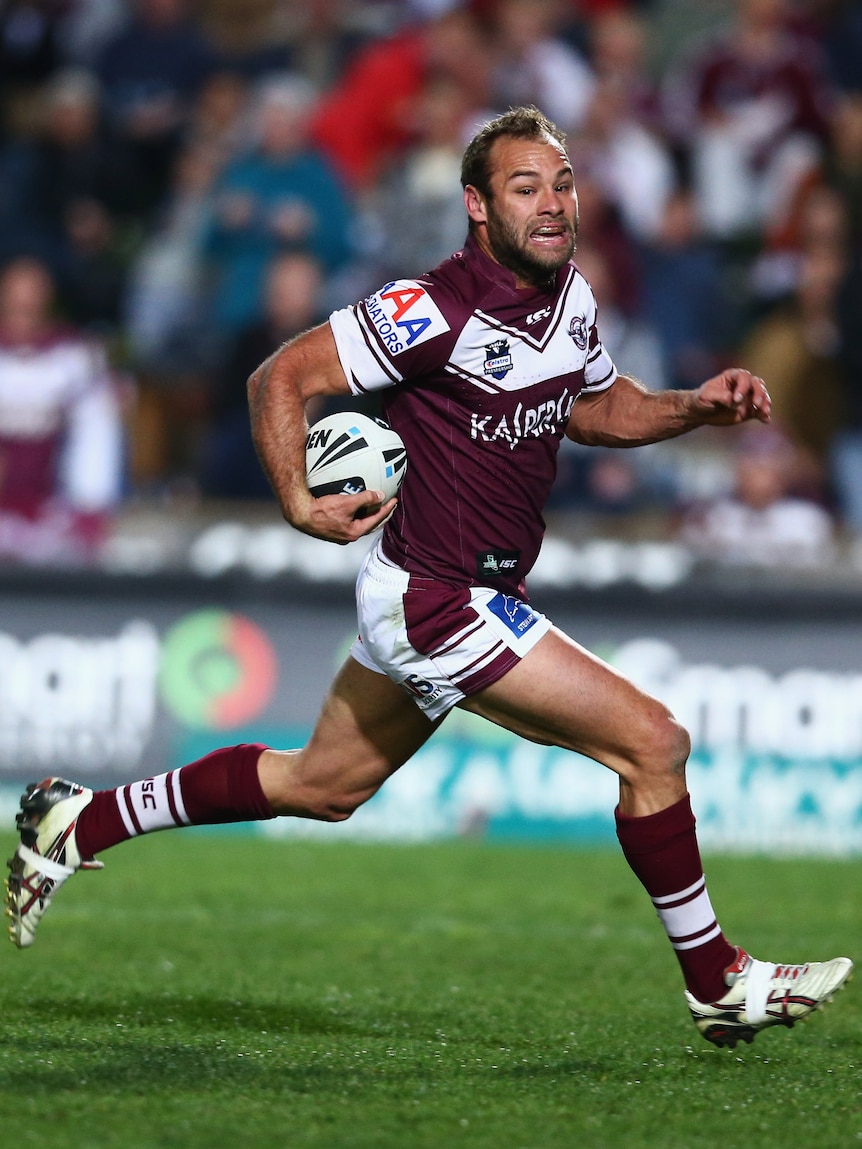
(484, 364)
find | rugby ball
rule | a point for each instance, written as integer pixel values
(347, 453)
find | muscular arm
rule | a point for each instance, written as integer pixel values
(278, 392)
(629, 415)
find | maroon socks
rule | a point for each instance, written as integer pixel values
(221, 787)
(662, 851)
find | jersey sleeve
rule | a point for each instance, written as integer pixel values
(599, 370)
(396, 333)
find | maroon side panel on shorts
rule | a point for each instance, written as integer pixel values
(433, 613)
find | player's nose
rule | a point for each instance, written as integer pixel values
(550, 203)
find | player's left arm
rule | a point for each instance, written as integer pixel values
(628, 414)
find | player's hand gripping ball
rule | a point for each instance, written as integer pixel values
(347, 453)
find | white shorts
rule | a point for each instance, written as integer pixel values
(441, 643)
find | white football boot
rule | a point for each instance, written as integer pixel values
(761, 994)
(47, 855)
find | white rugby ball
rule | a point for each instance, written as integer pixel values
(347, 453)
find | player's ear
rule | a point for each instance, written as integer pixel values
(476, 204)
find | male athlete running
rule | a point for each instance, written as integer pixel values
(484, 364)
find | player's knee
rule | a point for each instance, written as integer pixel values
(667, 744)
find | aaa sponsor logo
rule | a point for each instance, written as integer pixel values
(404, 315)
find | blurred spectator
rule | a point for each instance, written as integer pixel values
(631, 340)
(151, 72)
(682, 292)
(417, 208)
(842, 165)
(217, 119)
(610, 480)
(79, 200)
(165, 306)
(75, 159)
(166, 303)
(765, 522)
(61, 441)
(534, 65)
(601, 226)
(281, 195)
(323, 36)
(795, 349)
(629, 161)
(826, 209)
(244, 36)
(365, 121)
(92, 276)
(752, 111)
(292, 303)
(618, 39)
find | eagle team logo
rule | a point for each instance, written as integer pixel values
(498, 362)
(578, 331)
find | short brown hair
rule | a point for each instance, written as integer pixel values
(526, 123)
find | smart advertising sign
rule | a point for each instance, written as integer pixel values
(106, 703)
(110, 691)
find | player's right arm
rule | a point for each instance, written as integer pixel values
(278, 391)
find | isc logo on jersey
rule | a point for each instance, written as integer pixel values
(404, 315)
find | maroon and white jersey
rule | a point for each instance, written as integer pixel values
(482, 377)
(60, 425)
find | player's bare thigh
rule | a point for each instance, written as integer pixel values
(562, 695)
(366, 729)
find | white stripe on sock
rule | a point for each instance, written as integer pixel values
(177, 791)
(668, 898)
(131, 829)
(700, 940)
(694, 917)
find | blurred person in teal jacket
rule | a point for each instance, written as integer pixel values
(281, 195)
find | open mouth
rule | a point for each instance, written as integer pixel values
(551, 234)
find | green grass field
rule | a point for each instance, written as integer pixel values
(222, 990)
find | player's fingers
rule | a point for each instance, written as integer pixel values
(375, 515)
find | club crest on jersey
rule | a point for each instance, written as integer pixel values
(578, 331)
(498, 362)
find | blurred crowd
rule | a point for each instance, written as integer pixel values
(184, 184)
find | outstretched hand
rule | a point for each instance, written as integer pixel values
(344, 518)
(734, 396)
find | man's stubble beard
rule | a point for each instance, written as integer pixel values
(511, 251)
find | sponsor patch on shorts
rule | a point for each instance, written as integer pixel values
(516, 615)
